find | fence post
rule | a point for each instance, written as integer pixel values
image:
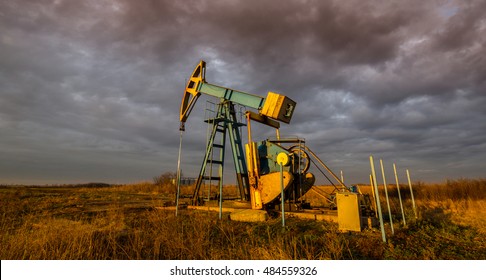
(373, 193)
(399, 195)
(386, 194)
(282, 193)
(178, 176)
(411, 193)
(377, 199)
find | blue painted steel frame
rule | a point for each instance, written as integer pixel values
(225, 121)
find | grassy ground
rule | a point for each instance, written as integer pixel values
(120, 222)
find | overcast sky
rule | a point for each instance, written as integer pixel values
(90, 90)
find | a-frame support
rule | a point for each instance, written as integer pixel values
(224, 122)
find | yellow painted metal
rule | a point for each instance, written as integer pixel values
(278, 107)
(269, 185)
(263, 188)
(309, 181)
(263, 119)
(349, 212)
(256, 199)
(253, 163)
(253, 167)
(283, 159)
(191, 92)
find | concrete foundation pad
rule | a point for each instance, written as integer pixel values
(249, 215)
(314, 215)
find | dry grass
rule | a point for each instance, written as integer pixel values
(463, 199)
(119, 222)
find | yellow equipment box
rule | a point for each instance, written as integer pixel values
(278, 107)
(349, 212)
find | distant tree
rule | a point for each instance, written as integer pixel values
(166, 178)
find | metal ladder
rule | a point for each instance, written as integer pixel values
(224, 121)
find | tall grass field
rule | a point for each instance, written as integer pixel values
(100, 222)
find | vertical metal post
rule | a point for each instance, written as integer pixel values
(210, 116)
(399, 195)
(411, 193)
(282, 194)
(382, 227)
(342, 177)
(386, 194)
(248, 125)
(221, 170)
(178, 175)
(221, 199)
(373, 193)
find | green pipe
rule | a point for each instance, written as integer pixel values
(382, 227)
(411, 193)
(386, 194)
(399, 195)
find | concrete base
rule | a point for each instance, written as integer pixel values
(329, 216)
(249, 215)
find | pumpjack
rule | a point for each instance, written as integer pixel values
(265, 166)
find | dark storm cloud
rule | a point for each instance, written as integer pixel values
(91, 89)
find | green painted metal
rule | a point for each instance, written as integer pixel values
(411, 193)
(237, 97)
(237, 152)
(282, 194)
(221, 165)
(224, 122)
(399, 195)
(268, 162)
(385, 186)
(375, 185)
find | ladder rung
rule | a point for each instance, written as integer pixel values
(213, 178)
(215, 161)
(214, 120)
(218, 146)
(220, 130)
